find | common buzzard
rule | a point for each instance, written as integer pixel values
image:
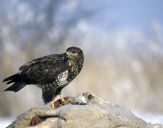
(51, 73)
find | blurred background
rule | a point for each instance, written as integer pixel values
(122, 42)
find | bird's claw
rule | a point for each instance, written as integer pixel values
(62, 101)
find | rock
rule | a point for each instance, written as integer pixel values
(84, 111)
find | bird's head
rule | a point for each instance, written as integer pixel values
(74, 52)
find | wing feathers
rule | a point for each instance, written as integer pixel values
(44, 70)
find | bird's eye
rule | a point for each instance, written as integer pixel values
(73, 52)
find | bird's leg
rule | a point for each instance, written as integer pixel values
(58, 103)
(62, 99)
(52, 104)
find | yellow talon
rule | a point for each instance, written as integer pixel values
(58, 103)
(62, 99)
(52, 104)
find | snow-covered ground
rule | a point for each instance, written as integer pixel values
(4, 122)
(149, 117)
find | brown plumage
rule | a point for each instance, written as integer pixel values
(51, 73)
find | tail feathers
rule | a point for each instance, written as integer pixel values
(17, 81)
(15, 87)
(14, 78)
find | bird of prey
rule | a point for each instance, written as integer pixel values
(51, 73)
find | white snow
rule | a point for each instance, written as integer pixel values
(149, 117)
(4, 122)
